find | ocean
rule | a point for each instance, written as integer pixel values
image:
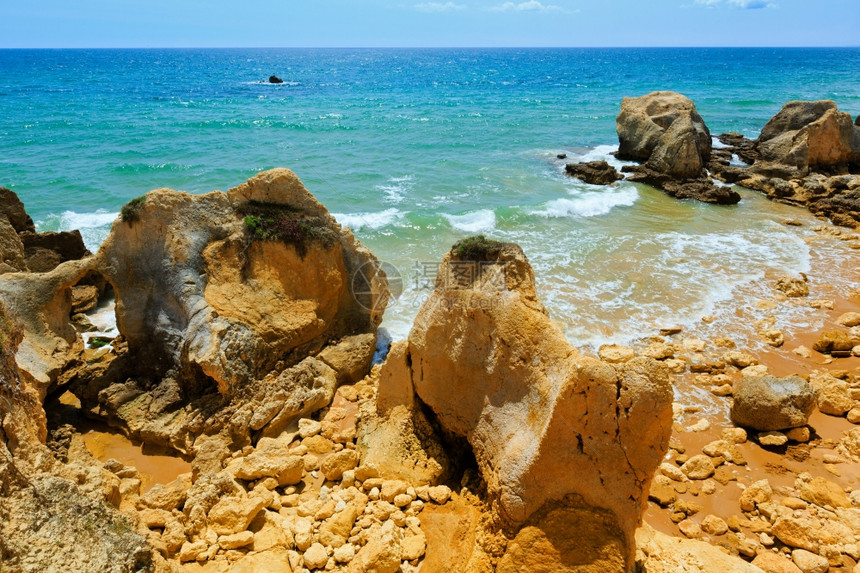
(415, 149)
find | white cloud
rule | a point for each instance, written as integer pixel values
(751, 4)
(439, 7)
(742, 4)
(528, 6)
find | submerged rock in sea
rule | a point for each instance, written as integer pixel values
(275, 80)
(593, 172)
(664, 130)
(493, 368)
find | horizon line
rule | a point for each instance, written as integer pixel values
(712, 47)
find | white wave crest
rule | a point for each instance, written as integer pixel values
(589, 204)
(604, 153)
(474, 222)
(357, 221)
(94, 227)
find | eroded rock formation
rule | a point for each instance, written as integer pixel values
(807, 154)
(53, 516)
(664, 130)
(566, 445)
(22, 249)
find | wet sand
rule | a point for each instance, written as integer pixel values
(104, 443)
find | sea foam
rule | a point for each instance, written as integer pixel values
(369, 220)
(589, 203)
(475, 222)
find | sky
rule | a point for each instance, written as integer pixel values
(425, 23)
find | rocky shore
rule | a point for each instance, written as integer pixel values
(808, 155)
(246, 331)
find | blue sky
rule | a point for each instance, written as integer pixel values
(419, 23)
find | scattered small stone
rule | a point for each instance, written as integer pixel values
(809, 562)
(793, 286)
(690, 529)
(439, 494)
(756, 493)
(703, 425)
(772, 336)
(713, 525)
(698, 467)
(773, 439)
(800, 435)
(802, 351)
(722, 391)
(671, 330)
(825, 304)
(316, 556)
(849, 319)
(308, 428)
(615, 353)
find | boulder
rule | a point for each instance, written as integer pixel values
(660, 553)
(12, 257)
(242, 312)
(275, 80)
(808, 154)
(663, 130)
(810, 135)
(835, 340)
(645, 120)
(768, 403)
(13, 208)
(531, 407)
(593, 172)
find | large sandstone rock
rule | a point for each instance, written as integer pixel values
(810, 135)
(767, 403)
(196, 286)
(484, 356)
(664, 130)
(808, 154)
(13, 208)
(644, 121)
(242, 312)
(12, 258)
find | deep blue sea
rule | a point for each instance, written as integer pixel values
(414, 149)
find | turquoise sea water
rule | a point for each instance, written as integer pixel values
(415, 149)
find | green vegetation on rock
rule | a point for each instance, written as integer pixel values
(477, 248)
(273, 222)
(130, 212)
